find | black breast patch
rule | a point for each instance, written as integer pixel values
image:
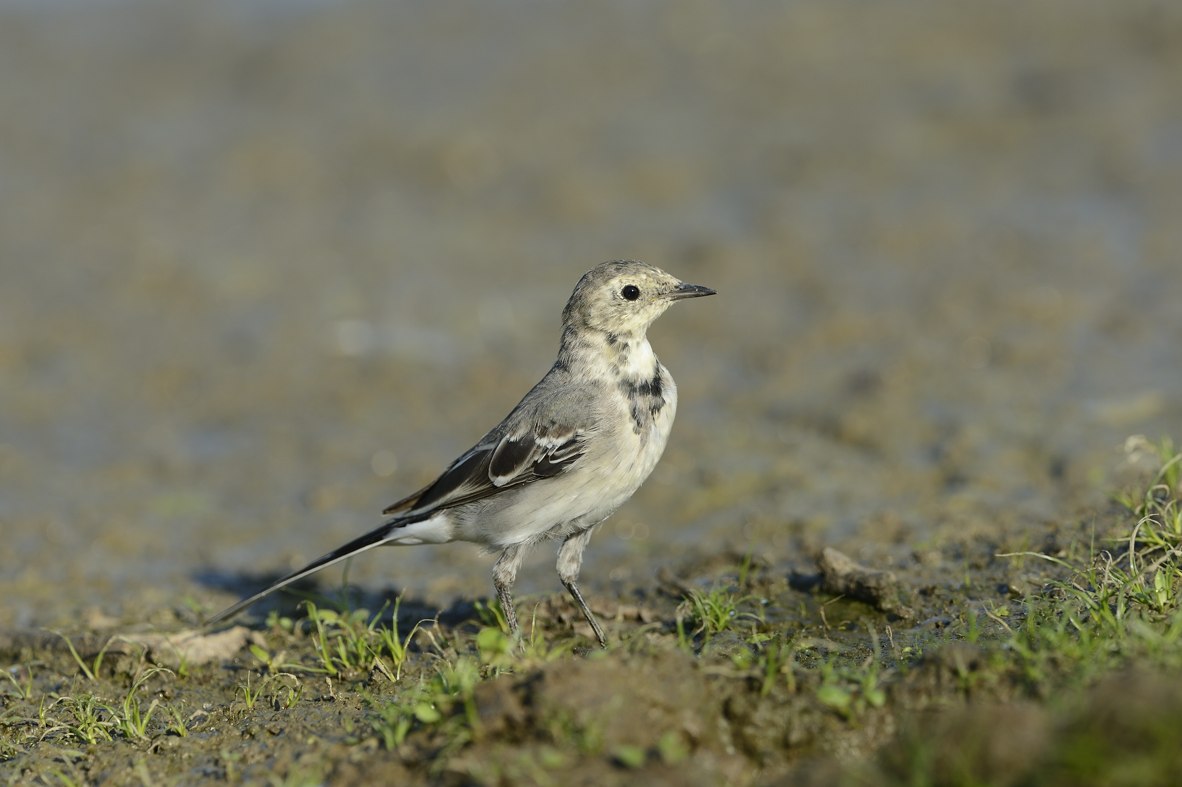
(646, 398)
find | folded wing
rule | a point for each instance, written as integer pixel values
(494, 465)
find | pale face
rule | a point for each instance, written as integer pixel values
(625, 297)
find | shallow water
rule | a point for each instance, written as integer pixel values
(267, 270)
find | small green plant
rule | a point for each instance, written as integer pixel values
(433, 702)
(684, 640)
(182, 666)
(89, 670)
(229, 760)
(286, 690)
(133, 721)
(250, 695)
(744, 578)
(9, 750)
(24, 690)
(495, 647)
(354, 641)
(672, 748)
(534, 649)
(176, 722)
(44, 706)
(630, 755)
(89, 720)
(456, 682)
(395, 646)
(776, 659)
(393, 722)
(322, 622)
(714, 611)
(491, 614)
(1119, 604)
(851, 691)
(273, 662)
(275, 621)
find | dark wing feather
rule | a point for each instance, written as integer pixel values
(495, 465)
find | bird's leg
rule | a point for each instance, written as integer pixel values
(570, 560)
(504, 574)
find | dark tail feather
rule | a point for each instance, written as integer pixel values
(356, 546)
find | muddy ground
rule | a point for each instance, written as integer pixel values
(268, 267)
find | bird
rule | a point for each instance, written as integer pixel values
(571, 452)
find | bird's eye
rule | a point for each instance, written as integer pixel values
(630, 292)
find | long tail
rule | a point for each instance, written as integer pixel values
(358, 545)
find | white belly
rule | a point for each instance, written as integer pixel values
(617, 463)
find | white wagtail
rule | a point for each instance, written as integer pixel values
(578, 445)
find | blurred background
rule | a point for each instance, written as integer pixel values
(268, 266)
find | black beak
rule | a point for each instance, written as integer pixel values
(684, 290)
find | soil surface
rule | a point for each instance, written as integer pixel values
(268, 267)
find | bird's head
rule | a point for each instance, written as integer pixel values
(624, 297)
